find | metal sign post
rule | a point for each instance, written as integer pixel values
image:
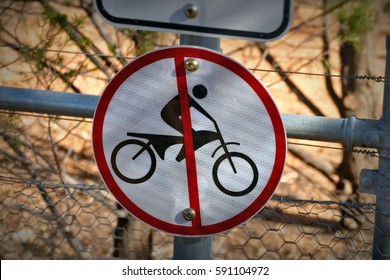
(381, 248)
(197, 248)
(377, 182)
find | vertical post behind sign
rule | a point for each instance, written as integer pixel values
(381, 246)
(195, 248)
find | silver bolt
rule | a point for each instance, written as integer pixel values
(192, 65)
(189, 214)
(367, 182)
(371, 139)
(191, 11)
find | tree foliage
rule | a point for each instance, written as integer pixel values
(356, 19)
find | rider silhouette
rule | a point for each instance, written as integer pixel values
(171, 115)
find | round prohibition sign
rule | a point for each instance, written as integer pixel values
(189, 141)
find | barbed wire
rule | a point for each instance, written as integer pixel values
(371, 153)
(378, 79)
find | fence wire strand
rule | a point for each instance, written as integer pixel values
(378, 79)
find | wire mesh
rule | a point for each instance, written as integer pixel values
(50, 221)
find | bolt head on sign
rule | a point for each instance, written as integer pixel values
(189, 141)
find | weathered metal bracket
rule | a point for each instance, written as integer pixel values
(372, 182)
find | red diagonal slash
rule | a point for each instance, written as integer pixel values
(192, 178)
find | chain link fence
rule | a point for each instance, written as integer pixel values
(57, 221)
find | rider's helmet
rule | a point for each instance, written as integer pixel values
(199, 91)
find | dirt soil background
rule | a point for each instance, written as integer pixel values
(78, 221)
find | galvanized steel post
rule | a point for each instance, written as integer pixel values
(195, 248)
(381, 248)
(377, 182)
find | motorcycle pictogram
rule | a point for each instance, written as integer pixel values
(133, 148)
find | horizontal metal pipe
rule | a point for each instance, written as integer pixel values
(350, 131)
(314, 128)
(48, 102)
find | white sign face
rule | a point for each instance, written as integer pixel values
(189, 141)
(262, 20)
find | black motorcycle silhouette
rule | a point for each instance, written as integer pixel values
(161, 143)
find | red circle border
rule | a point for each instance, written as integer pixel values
(241, 71)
